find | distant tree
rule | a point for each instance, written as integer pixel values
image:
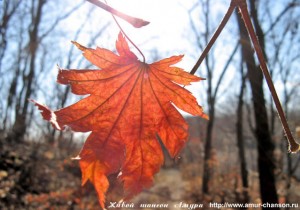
(265, 144)
(282, 32)
(213, 80)
(240, 135)
(28, 74)
(25, 28)
(8, 10)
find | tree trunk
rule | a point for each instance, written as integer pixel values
(263, 137)
(19, 127)
(8, 9)
(208, 170)
(240, 139)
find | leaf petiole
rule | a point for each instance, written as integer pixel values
(136, 22)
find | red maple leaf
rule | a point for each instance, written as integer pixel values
(129, 103)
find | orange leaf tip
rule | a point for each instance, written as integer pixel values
(204, 116)
(79, 46)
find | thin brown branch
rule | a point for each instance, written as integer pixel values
(214, 38)
(293, 145)
(136, 22)
(242, 5)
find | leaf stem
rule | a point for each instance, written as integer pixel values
(213, 38)
(293, 145)
(127, 37)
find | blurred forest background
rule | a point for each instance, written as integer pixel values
(239, 155)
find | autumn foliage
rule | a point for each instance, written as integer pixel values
(129, 104)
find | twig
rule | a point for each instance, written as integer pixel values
(293, 145)
(213, 38)
(242, 5)
(136, 22)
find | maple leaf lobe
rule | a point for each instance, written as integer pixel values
(79, 46)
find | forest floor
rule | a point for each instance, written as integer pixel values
(39, 176)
